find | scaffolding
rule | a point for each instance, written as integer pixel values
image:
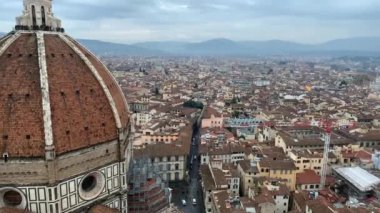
(147, 190)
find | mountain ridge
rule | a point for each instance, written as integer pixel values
(361, 46)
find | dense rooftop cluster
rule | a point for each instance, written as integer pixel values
(260, 141)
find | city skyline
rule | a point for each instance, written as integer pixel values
(167, 20)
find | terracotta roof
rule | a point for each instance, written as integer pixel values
(221, 200)
(207, 179)
(13, 210)
(282, 190)
(301, 199)
(160, 150)
(278, 164)
(310, 177)
(112, 85)
(81, 113)
(362, 154)
(291, 141)
(264, 198)
(103, 209)
(211, 111)
(247, 167)
(319, 206)
(219, 177)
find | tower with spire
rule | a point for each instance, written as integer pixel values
(38, 15)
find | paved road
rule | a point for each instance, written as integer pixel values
(192, 189)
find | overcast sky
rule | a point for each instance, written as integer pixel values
(129, 21)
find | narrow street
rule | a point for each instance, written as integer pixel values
(192, 189)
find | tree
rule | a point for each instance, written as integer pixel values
(235, 114)
(193, 104)
(343, 83)
(234, 100)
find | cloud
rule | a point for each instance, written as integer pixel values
(129, 21)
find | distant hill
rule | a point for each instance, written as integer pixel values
(366, 44)
(224, 47)
(361, 46)
(114, 49)
(166, 46)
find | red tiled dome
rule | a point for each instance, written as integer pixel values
(76, 104)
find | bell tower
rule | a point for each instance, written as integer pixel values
(38, 15)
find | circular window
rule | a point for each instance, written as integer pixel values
(12, 198)
(89, 183)
(91, 186)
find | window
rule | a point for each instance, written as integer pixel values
(89, 183)
(34, 19)
(43, 15)
(12, 198)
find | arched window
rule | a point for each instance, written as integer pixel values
(34, 19)
(43, 16)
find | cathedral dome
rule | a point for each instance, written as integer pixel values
(64, 122)
(54, 93)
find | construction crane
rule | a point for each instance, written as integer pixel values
(327, 126)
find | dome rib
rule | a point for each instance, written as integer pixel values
(98, 78)
(8, 42)
(46, 108)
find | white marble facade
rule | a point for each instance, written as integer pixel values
(66, 196)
